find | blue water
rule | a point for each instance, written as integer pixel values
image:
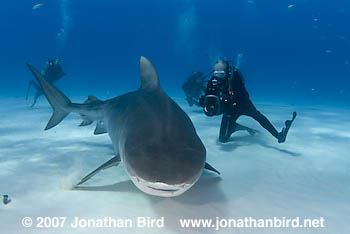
(294, 51)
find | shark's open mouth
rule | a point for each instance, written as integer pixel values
(159, 188)
(164, 187)
(159, 191)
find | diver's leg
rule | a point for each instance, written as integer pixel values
(239, 127)
(227, 127)
(265, 123)
(28, 89)
(223, 134)
(197, 98)
(37, 95)
(195, 102)
(189, 100)
(192, 101)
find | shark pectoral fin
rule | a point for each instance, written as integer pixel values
(86, 122)
(115, 161)
(210, 168)
(100, 128)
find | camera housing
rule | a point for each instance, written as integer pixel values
(212, 105)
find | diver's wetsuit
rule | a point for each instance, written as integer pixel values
(193, 88)
(236, 102)
(52, 72)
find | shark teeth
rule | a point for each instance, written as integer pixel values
(159, 188)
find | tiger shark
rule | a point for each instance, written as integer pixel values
(151, 135)
(52, 73)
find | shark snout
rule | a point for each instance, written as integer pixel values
(165, 173)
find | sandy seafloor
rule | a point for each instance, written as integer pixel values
(308, 176)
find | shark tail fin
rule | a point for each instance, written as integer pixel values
(58, 101)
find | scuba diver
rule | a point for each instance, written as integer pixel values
(52, 73)
(194, 88)
(226, 94)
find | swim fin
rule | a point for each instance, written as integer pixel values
(283, 134)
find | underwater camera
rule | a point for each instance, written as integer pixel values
(212, 105)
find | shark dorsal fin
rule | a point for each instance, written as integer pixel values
(149, 75)
(92, 98)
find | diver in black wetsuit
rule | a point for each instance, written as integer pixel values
(226, 94)
(52, 72)
(194, 88)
